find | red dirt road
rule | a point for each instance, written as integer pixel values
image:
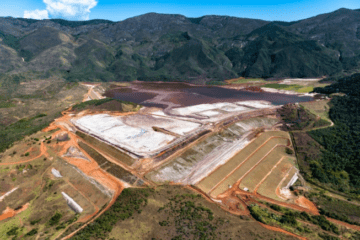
(347, 225)
(43, 151)
(276, 229)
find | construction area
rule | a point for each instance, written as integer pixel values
(220, 149)
(211, 146)
(259, 167)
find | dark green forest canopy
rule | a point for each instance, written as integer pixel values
(341, 142)
(172, 47)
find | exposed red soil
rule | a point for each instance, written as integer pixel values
(276, 229)
(9, 212)
(304, 202)
(231, 203)
(347, 225)
(43, 151)
(253, 89)
(91, 169)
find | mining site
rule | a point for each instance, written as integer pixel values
(217, 148)
(232, 151)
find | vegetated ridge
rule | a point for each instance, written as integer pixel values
(172, 47)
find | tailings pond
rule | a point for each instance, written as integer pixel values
(168, 95)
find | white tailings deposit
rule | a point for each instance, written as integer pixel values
(56, 173)
(256, 104)
(273, 90)
(140, 140)
(177, 126)
(207, 156)
(181, 171)
(7, 194)
(214, 159)
(204, 113)
(72, 204)
(198, 109)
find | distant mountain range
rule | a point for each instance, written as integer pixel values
(173, 47)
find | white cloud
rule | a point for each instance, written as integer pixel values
(72, 9)
(36, 14)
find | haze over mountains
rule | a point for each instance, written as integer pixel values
(174, 47)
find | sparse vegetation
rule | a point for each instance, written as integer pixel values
(336, 208)
(292, 87)
(108, 104)
(289, 218)
(128, 203)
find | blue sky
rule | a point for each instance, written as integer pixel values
(119, 10)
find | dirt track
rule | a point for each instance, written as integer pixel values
(347, 225)
(264, 178)
(243, 162)
(43, 151)
(276, 229)
(91, 169)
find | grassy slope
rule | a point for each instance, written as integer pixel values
(35, 105)
(171, 212)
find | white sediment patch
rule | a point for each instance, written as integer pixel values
(193, 109)
(273, 90)
(56, 173)
(174, 125)
(234, 108)
(115, 131)
(301, 80)
(183, 172)
(72, 204)
(159, 113)
(7, 194)
(216, 158)
(209, 110)
(256, 104)
(209, 113)
(292, 180)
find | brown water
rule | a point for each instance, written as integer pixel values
(182, 94)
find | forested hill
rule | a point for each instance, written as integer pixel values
(174, 47)
(339, 161)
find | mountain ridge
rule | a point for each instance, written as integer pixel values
(147, 47)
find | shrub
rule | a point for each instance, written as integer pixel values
(32, 232)
(54, 220)
(289, 151)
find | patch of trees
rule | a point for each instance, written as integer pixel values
(290, 217)
(104, 104)
(336, 208)
(19, 129)
(349, 85)
(128, 203)
(54, 220)
(191, 220)
(339, 159)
